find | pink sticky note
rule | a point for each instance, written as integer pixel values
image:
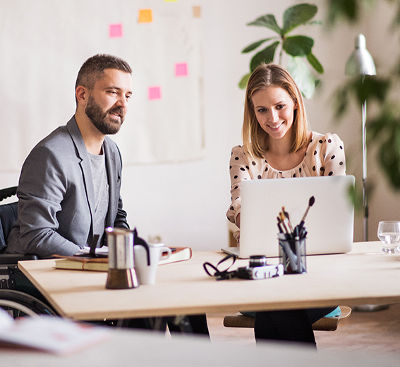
(154, 93)
(181, 69)
(115, 30)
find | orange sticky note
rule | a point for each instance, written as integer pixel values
(154, 92)
(196, 11)
(115, 30)
(145, 16)
(181, 69)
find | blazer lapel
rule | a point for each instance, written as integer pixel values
(85, 167)
(112, 180)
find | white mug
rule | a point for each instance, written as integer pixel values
(146, 274)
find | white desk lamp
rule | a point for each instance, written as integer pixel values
(361, 63)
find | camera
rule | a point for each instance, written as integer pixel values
(258, 268)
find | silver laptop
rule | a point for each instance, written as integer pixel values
(329, 223)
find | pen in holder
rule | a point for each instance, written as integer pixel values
(292, 242)
(292, 254)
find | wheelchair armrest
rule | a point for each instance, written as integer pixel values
(12, 259)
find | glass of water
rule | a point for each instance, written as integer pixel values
(389, 234)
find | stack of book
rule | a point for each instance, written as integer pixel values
(101, 263)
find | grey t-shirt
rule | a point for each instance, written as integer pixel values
(101, 193)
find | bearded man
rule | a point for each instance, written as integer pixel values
(69, 187)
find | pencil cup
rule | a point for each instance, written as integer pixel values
(292, 254)
(146, 272)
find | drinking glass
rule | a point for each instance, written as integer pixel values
(389, 234)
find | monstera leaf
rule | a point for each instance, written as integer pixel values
(266, 55)
(302, 75)
(267, 21)
(298, 15)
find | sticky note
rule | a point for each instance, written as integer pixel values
(145, 16)
(115, 30)
(154, 93)
(196, 11)
(181, 69)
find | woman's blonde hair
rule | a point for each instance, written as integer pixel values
(255, 139)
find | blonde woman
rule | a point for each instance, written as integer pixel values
(277, 143)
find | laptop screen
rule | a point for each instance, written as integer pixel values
(329, 222)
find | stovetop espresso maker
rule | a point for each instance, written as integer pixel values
(121, 270)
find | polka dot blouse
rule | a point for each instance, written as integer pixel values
(324, 157)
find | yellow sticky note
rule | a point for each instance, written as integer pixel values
(196, 11)
(145, 16)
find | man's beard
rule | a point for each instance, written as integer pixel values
(99, 118)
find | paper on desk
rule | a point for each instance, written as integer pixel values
(99, 250)
(49, 333)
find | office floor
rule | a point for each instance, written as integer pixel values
(377, 331)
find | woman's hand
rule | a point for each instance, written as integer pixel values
(237, 221)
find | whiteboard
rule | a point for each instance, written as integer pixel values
(43, 44)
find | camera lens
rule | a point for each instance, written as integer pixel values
(257, 260)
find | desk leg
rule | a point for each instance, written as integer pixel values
(191, 324)
(147, 323)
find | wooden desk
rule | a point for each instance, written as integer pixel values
(364, 276)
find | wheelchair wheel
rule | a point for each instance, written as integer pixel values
(19, 304)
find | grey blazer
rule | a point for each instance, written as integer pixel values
(56, 195)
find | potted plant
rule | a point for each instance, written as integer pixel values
(297, 48)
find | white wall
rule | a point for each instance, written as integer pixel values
(185, 203)
(384, 203)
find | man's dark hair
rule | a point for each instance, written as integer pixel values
(93, 68)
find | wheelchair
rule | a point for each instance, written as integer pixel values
(18, 296)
